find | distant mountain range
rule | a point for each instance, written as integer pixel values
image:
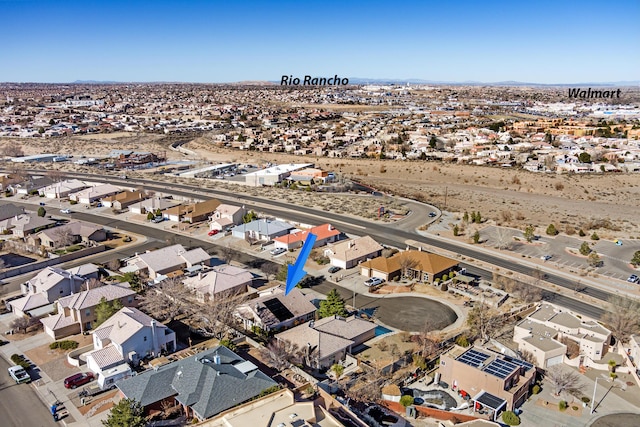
(367, 81)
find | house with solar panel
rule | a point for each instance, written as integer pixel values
(275, 311)
(494, 382)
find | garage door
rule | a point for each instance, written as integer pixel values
(554, 361)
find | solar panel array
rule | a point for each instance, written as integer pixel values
(500, 368)
(473, 358)
(525, 365)
(278, 309)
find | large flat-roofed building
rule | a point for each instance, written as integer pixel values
(487, 376)
(273, 174)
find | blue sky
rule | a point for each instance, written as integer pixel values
(212, 41)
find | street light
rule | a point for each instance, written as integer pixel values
(593, 401)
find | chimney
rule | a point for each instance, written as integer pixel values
(329, 227)
(154, 338)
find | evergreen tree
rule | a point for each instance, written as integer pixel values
(476, 237)
(465, 217)
(478, 218)
(106, 309)
(127, 413)
(551, 230)
(584, 248)
(333, 305)
(456, 230)
(529, 233)
(42, 212)
(250, 216)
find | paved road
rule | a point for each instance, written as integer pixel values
(19, 403)
(383, 233)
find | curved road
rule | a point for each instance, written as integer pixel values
(383, 233)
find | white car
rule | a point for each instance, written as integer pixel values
(65, 211)
(277, 251)
(19, 374)
(374, 281)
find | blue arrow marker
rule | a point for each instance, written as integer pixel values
(295, 272)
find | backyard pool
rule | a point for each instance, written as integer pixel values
(381, 330)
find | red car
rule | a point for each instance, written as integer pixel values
(213, 232)
(78, 379)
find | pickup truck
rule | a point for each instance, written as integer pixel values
(19, 374)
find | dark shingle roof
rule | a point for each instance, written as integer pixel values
(208, 388)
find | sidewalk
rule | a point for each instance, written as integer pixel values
(48, 390)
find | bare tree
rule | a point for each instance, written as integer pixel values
(55, 175)
(573, 348)
(215, 317)
(64, 236)
(167, 299)
(114, 264)
(526, 293)
(428, 340)
(227, 254)
(20, 324)
(622, 317)
(280, 354)
(503, 238)
(270, 269)
(407, 263)
(564, 381)
(485, 322)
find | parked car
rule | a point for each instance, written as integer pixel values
(432, 214)
(41, 203)
(65, 211)
(334, 269)
(212, 232)
(78, 379)
(277, 251)
(19, 375)
(374, 281)
(633, 279)
(157, 219)
(545, 257)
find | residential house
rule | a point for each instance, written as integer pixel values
(61, 190)
(44, 289)
(122, 200)
(492, 380)
(542, 333)
(195, 212)
(275, 311)
(153, 205)
(166, 260)
(70, 233)
(261, 230)
(24, 224)
(32, 184)
(94, 194)
(324, 233)
(205, 385)
(327, 341)
(76, 313)
(9, 210)
(129, 336)
(419, 265)
(220, 280)
(350, 253)
(226, 216)
(633, 351)
(281, 408)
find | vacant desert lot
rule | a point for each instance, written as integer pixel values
(507, 196)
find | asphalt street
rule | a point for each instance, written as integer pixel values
(20, 404)
(384, 233)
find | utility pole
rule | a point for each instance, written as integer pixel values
(445, 196)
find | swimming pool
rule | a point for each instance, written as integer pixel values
(381, 330)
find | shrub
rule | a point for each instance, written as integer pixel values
(595, 236)
(73, 202)
(584, 248)
(406, 400)
(551, 230)
(64, 345)
(445, 277)
(562, 405)
(585, 399)
(444, 287)
(581, 233)
(19, 360)
(535, 389)
(510, 418)
(462, 341)
(574, 407)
